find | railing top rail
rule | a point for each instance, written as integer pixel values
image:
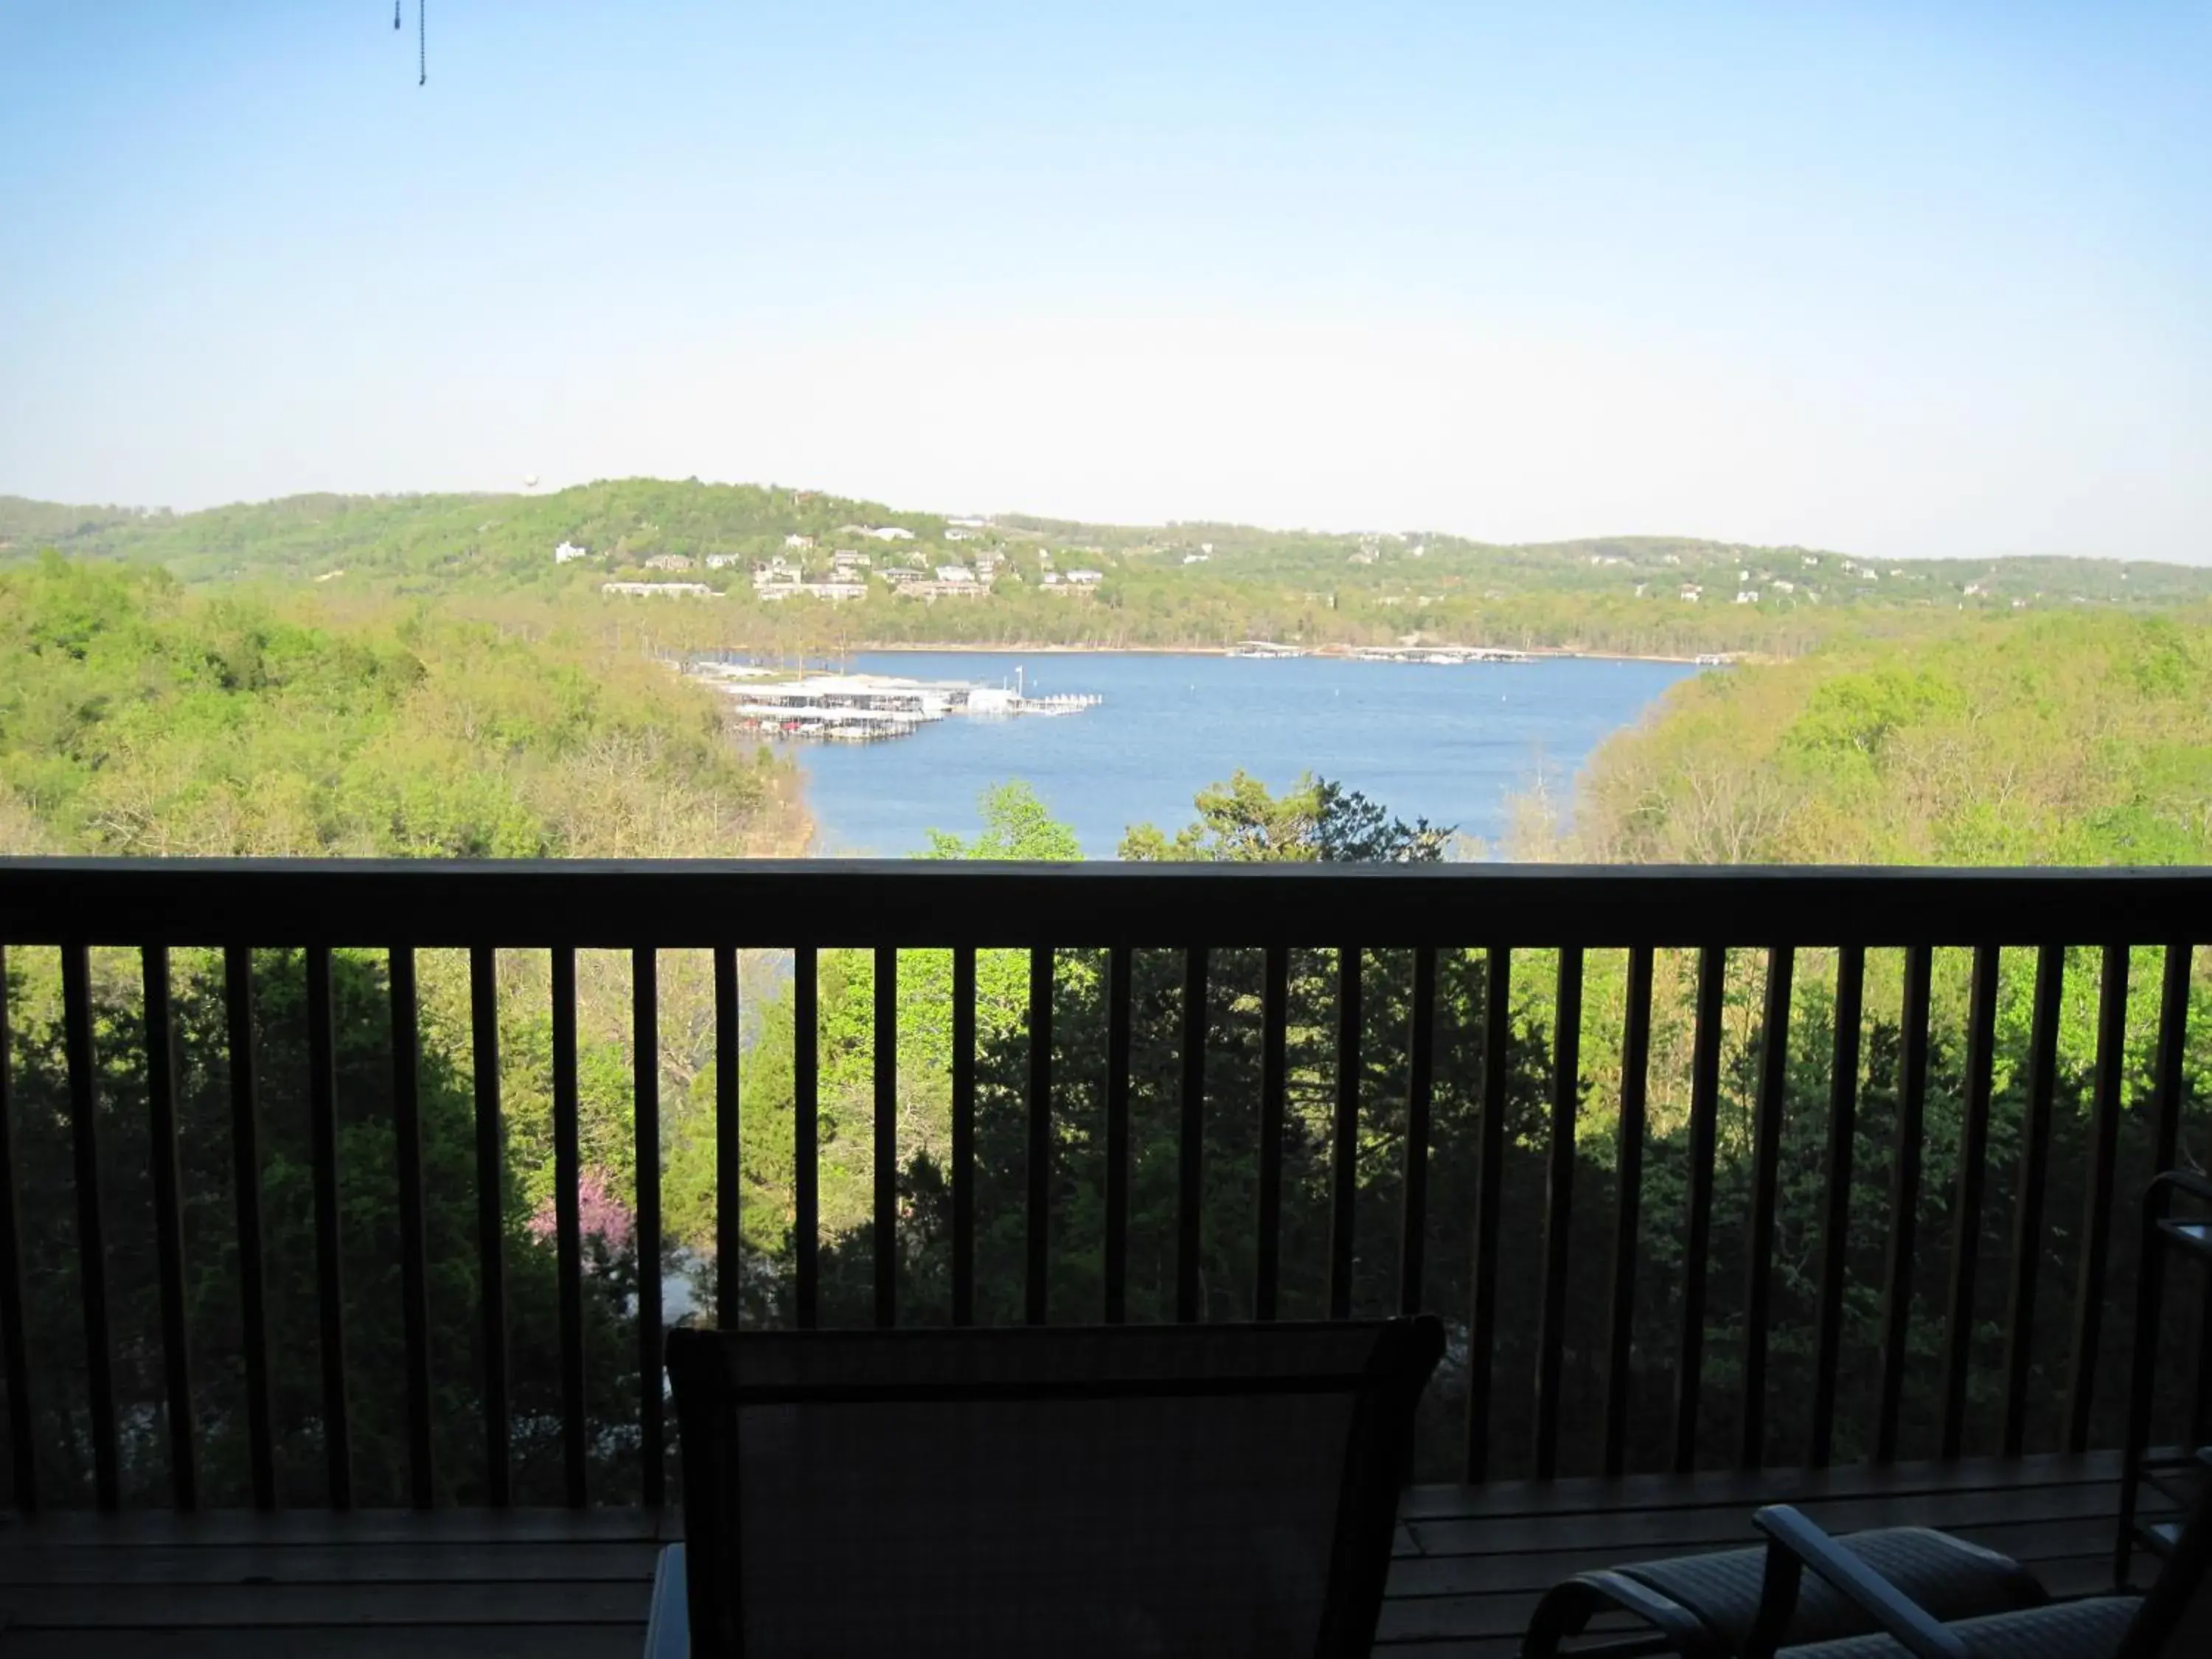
(844, 903)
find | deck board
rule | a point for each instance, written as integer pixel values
(1469, 1563)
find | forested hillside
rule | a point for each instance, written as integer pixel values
(137, 716)
(2070, 739)
(1187, 585)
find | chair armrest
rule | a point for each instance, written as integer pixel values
(1904, 1620)
(2188, 1180)
(668, 1627)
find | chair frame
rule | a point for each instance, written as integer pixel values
(1796, 1545)
(708, 1397)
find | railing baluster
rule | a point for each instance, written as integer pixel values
(1482, 1323)
(1420, 1075)
(1344, 1184)
(806, 1173)
(414, 1276)
(1037, 1226)
(1190, 1167)
(246, 1163)
(330, 1279)
(729, 1160)
(964, 1134)
(1275, 1083)
(2028, 1213)
(491, 1216)
(1967, 1208)
(885, 1067)
(1628, 1161)
(2097, 1209)
(1559, 1206)
(2173, 1019)
(1766, 1165)
(2166, 1079)
(1704, 1119)
(168, 1224)
(1117, 1134)
(645, 1116)
(1836, 1221)
(568, 1226)
(23, 1443)
(91, 1240)
(1904, 1196)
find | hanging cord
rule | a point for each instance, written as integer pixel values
(395, 14)
(422, 44)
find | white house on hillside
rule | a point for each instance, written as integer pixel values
(568, 551)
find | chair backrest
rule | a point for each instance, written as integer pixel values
(1126, 1491)
(2175, 1618)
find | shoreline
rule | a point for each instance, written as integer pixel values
(1548, 653)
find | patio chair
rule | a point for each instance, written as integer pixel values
(2171, 1620)
(1718, 1605)
(1130, 1492)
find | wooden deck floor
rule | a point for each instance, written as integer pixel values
(559, 1584)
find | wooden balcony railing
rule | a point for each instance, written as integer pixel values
(1617, 1377)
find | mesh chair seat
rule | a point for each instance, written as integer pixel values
(1707, 1604)
(1142, 1493)
(2063, 1629)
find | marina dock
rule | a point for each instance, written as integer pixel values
(866, 708)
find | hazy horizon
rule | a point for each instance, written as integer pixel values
(1859, 278)
(542, 491)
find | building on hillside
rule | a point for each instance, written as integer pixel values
(1691, 593)
(723, 560)
(1747, 596)
(1086, 578)
(847, 561)
(890, 533)
(969, 523)
(803, 543)
(1196, 558)
(955, 572)
(679, 590)
(957, 534)
(833, 590)
(568, 550)
(668, 561)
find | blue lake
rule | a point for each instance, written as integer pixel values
(1450, 744)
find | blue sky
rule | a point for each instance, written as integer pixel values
(1899, 279)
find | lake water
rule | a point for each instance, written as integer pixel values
(1448, 744)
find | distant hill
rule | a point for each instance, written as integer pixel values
(1171, 584)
